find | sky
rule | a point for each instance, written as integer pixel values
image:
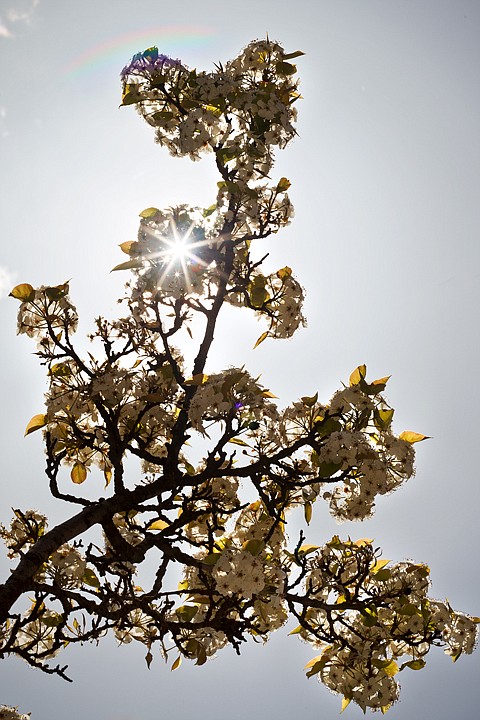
(385, 176)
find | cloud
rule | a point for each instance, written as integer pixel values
(7, 279)
(4, 31)
(20, 12)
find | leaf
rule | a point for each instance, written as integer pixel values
(285, 68)
(148, 659)
(209, 211)
(107, 473)
(127, 246)
(292, 55)
(78, 473)
(391, 669)
(24, 292)
(345, 703)
(284, 273)
(385, 708)
(358, 375)
(295, 631)
(56, 292)
(361, 542)
(283, 185)
(186, 613)
(158, 525)
(239, 441)
(37, 422)
(128, 265)
(262, 337)
(383, 418)
(177, 663)
(268, 394)
(309, 401)
(379, 565)
(314, 660)
(307, 549)
(198, 379)
(307, 511)
(254, 546)
(149, 212)
(412, 437)
(89, 578)
(416, 664)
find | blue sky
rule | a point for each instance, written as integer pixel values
(385, 177)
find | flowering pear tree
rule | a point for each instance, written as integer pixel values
(223, 467)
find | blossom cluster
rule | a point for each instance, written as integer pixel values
(397, 622)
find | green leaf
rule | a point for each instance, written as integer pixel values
(258, 296)
(209, 211)
(391, 668)
(149, 212)
(412, 437)
(416, 664)
(254, 546)
(285, 68)
(24, 292)
(78, 473)
(186, 613)
(89, 578)
(327, 469)
(37, 422)
(283, 185)
(56, 292)
(309, 401)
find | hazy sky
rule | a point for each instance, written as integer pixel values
(385, 178)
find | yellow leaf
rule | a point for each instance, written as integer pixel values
(284, 273)
(412, 437)
(345, 703)
(24, 292)
(363, 541)
(295, 631)
(385, 708)
(311, 662)
(305, 549)
(307, 511)
(177, 663)
(238, 441)
(198, 379)
(158, 525)
(37, 422)
(78, 473)
(391, 669)
(358, 374)
(379, 565)
(381, 381)
(268, 394)
(262, 337)
(126, 246)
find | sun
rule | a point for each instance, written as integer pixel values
(180, 255)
